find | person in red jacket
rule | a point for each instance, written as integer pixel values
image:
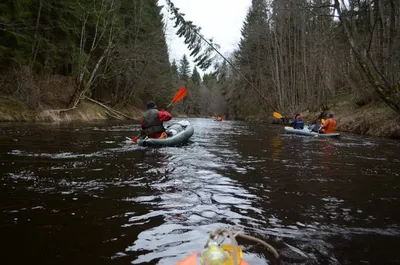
(152, 121)
(329, 125)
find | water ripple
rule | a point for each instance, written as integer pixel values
(86, 195)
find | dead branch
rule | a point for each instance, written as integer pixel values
(115, 112)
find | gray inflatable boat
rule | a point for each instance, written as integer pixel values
(307, 132)
(178, 134)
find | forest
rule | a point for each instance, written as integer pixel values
(293, 55)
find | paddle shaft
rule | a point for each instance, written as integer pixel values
(169, 105)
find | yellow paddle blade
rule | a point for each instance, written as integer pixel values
(322, 121)
(229, 248)
(277, 115)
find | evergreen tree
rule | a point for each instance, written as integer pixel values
(174, 68)
(175, 74)
(184, 69)
(201, 48)
(249, 57)
(115, 48)
(207, 78)
(194, 85)
(196, 78)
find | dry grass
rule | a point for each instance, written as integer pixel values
(85, 111)
(14, 110)
(373, 118)
(11, 110)
(28, 97)
(36, 92)
(130, 110)
(55, 91)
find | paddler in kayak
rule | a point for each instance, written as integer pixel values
(329, 125)
(152, 122)
(298, 122)
(315, 127)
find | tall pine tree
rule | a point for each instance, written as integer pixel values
(184, 69)
(249, 58)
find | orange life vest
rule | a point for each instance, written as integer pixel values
(329, 126)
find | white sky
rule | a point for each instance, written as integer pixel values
(221, 20)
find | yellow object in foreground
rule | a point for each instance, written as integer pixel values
(214, 255)
(223, 255)
(229, 248)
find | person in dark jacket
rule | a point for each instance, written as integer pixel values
(315, 127)
(298, 122)
(152, 121)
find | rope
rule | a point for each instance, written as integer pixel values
(268, 246)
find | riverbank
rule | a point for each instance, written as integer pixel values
(86, 111)
(374, 118)
(13, 110)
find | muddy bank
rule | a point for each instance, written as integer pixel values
(374, 119)
(12, 110)
(16, 111)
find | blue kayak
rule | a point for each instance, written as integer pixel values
(307, 132)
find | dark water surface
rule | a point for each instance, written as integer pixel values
(78, 194)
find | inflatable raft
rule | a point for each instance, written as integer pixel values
(178, 134)
(307, 132)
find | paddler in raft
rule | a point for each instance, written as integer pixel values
(152, 122)
(329, 126)
(315, 126)
(298, 122)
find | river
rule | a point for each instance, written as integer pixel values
(79, 194)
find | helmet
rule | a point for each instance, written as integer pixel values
(330, 115)
(151, 105)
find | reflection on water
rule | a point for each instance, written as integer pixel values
(276, 143)
(73, 194)
(327, 156)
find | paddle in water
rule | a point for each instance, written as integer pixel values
(179, 95)
(320, 127)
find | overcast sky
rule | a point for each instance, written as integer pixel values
(218, 19)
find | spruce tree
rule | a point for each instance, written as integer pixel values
(249, 58)
(196, 79)
(184, 69)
